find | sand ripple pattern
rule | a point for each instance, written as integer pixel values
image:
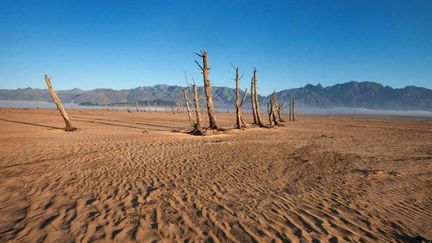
(311, 181)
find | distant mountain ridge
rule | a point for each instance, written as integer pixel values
(352, 94)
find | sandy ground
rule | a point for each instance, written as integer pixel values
(126, 177)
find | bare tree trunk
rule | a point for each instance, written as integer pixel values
(257, 107)
(293, 109)
(136, 104)
(243, 122)
(273, 108)
(252, 98)
(208, 93)
(106, 102)
(239, 101)
(186, 98)
(69, 127)
(290, 110)
(238, 115)
(126, 104)
(197, 125)
(270, 111)
(281, 107)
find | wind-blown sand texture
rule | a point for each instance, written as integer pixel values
(126, 177)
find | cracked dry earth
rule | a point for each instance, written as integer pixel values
(125, 177)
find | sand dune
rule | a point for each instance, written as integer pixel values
(126, 177)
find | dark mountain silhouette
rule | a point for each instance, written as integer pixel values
(353, 94)
(361, 95)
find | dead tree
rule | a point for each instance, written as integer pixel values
(252, 99)
(273, 110)
(207, 88)
(290, 110)
(280, 108)
(186, 98)
(256, 101)
(106, 103)
(269, 112)
(69, 127)
(127, 106)
(293, 109)
(239, 101)
(198, 130)
(178, 107)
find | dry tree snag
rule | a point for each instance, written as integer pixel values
(255, 122)
(178, 107)
(256, 101)
(269, 112)
(106, 103)
(280, 108)
(186, 98)
(59, 105)
(239, 101)
(197, 125)
(207, 88)
(290, 110)
(293, 110)
(273, 110)
(127, 107)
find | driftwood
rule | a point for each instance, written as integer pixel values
(69, 127)
(207, 88)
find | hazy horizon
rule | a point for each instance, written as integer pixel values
(200, 85)
(301, 110)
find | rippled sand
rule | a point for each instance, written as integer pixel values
(126, 177)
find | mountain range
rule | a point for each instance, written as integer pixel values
(352, 94)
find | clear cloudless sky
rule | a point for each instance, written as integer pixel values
(125, 44)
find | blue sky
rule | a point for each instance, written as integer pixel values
(125, 44)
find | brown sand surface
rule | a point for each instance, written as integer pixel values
(126, 177)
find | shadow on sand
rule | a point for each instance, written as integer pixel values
(32, 124)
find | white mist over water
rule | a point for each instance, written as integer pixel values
(361, 111)
(299, 110)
